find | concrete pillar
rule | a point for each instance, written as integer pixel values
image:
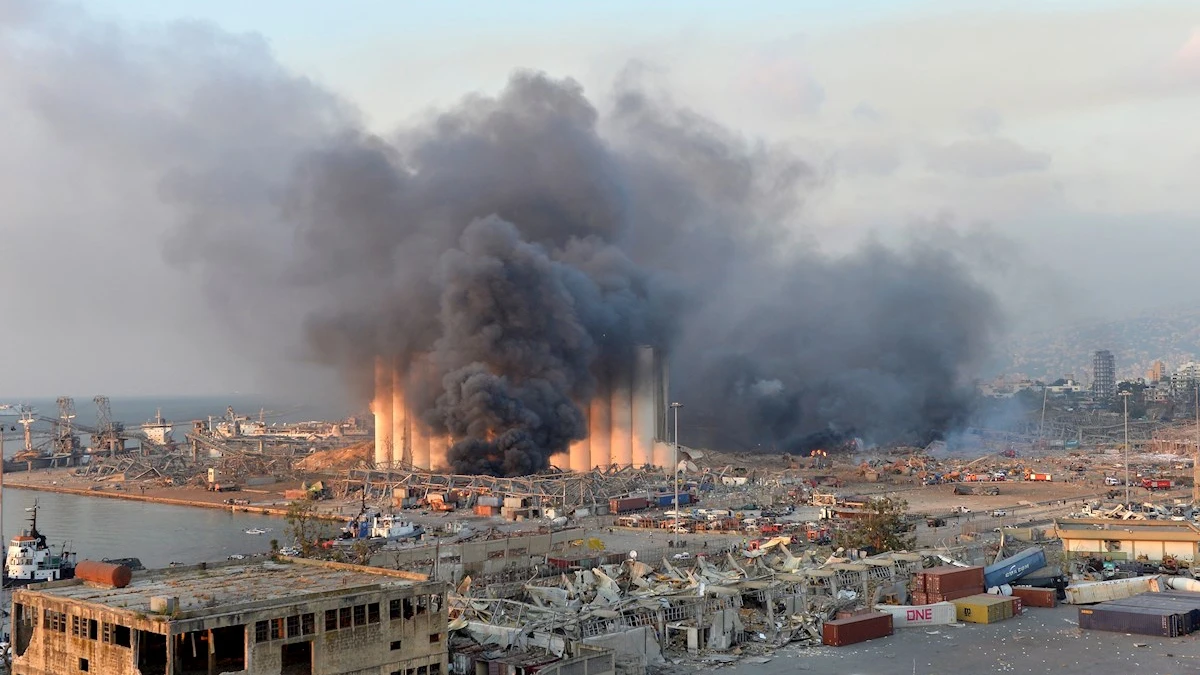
(643, 413)
(382, 407)
(621, 436)
(419, 435)
(580, 452)
(401, 452)
(600, 428)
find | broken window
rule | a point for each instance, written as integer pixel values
(360, 615)
(229, 648)
(435, 638)
(262, 631)
(293, 626)
(92, 629)
(308, 623)
(277, 629)
(408, 608)
(84, 665)
(394, 608)
(435, 669)
(422, 604)
(435, 603)
(345, 619)
(76, 631)
(151, 652)
(395, 645)
(422, 670)
(373, 612)
(330, 620)
(121, 635)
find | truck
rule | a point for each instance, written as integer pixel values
(1156, 484)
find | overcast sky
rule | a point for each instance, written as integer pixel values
(1067, 128)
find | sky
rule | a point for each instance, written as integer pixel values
(1058, 138)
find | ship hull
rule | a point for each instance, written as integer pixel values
(19, 583)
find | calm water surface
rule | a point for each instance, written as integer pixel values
(158, 534)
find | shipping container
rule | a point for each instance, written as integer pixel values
(399, 493)
(1188, 610)
(932, 598)
(1036, 597)
(1114, 589)
(514, 502)
(842, 632)
(627, 504)
(948, 579)
(983, 609)
(486, 511)
(490, 500)
(1017, 606)
(1039, 476)
(1156, 484)
(1013, 568)
(907, 616)
(582, 513)
(1137, 620)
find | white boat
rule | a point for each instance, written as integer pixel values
(377, 528)
(256, 530)
(30, 560)
(158, 430)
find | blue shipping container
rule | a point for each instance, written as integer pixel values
(668, 500)
(1011, 569)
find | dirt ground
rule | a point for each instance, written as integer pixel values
(1038, 641)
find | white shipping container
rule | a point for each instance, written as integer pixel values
(1113, 589)
(514, 502)
(909, 616)
(582, 513)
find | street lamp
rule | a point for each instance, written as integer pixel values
(1125, 395)
(675, 477)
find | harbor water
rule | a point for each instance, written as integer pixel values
(158, 534)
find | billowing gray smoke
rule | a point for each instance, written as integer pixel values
(524, 241)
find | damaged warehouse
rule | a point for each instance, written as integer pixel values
(293, 616)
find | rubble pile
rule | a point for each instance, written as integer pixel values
(732, 602)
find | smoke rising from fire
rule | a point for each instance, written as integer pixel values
(526, 240)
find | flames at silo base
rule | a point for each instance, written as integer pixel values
(626, 422)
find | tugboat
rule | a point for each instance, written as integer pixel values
(31, 561)
(377, 528)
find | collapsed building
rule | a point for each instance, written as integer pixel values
(626, 419)
(295, 616)
(685, 603)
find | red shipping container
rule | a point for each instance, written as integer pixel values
(842, 632)
(1036, 597)
(947, 579)
(919, 598)
(1016, 606)
(919, 582)
(953, 595)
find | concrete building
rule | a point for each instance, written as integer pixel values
(1104, 375)
(627, 419)
(1128, 539)
(297, 617)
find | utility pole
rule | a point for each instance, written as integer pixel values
(1196, 456)
(675, 471)
(1042, 426)
(1125, 395)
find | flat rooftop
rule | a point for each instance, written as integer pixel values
(219, 587)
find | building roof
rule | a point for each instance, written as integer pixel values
(222, 587)
(1127, 530)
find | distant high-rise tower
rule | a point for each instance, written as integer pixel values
(1156, 372)
(1104, 375)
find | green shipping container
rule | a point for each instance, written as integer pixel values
(983, 608)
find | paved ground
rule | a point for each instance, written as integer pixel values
(1038, 641)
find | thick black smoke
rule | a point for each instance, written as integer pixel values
(519, 244)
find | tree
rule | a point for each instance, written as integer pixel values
(303, 526)
(884, 528)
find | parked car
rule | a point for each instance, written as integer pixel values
(999, 513)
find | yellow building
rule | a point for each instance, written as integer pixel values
(1129, 539)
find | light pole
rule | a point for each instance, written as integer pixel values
(1125, 395)
(675, 471)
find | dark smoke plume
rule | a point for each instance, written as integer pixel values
(518, 244)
